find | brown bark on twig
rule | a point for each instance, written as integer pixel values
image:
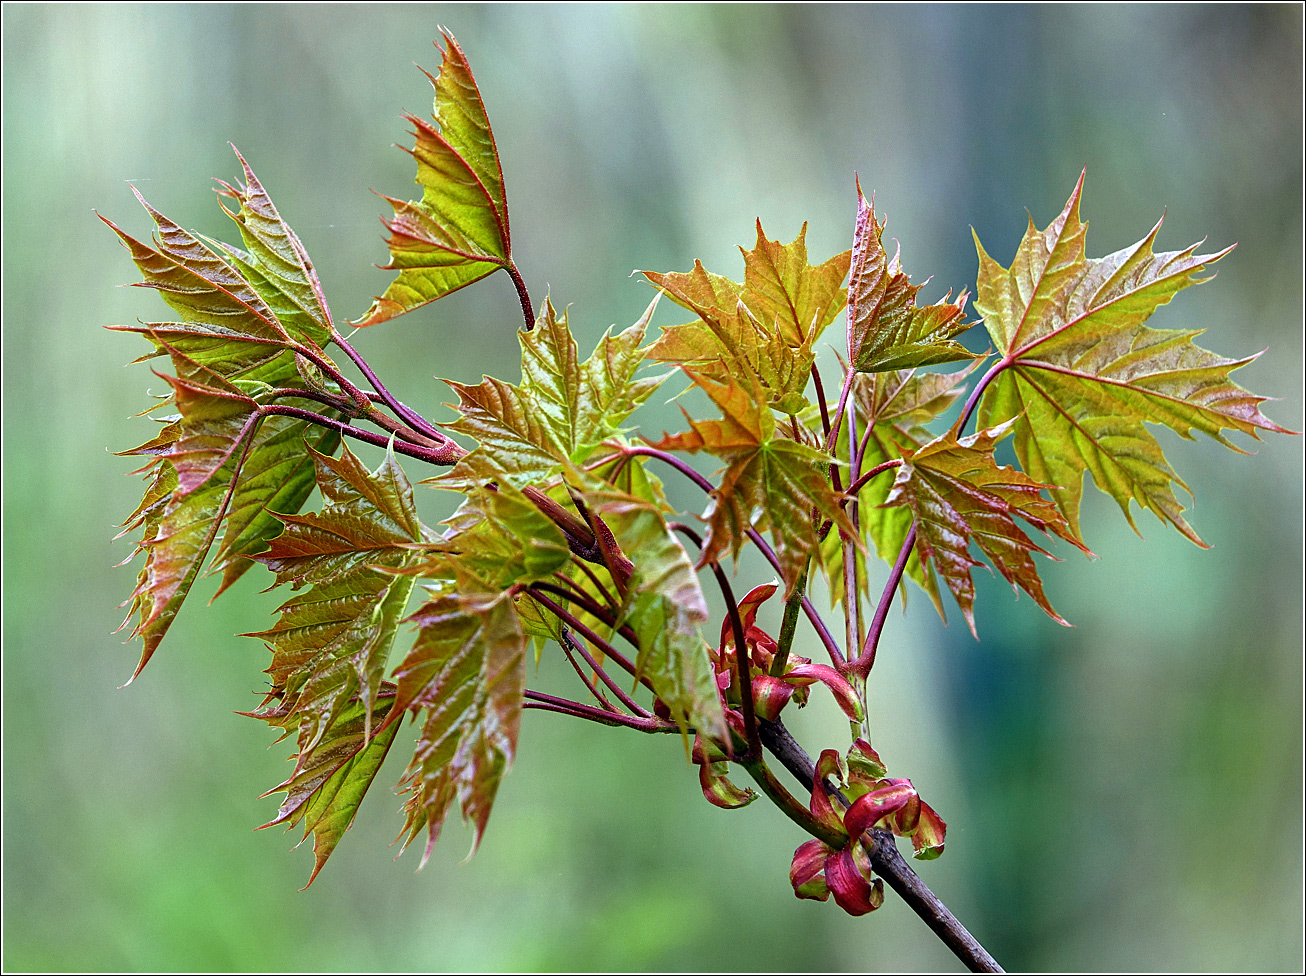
(887, 862)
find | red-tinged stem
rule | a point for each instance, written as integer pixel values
(599, 613)
(619, 567)
(820, 400)
(837, 419)
(603, 676)
(831, 647)
(418, 422)
(445, 455)
(865, 479)
(887, 862)
(789, 624)
(285, 392)
(852, 596)
(567, 644)
(568, 618)
(319, 359)
(861, 446)
(638, 450)
(742, 664)
(598, 585)
(527, 309)
(813, 615)
(866, 660)
(382, 420)
(973, 400)
(564, 706)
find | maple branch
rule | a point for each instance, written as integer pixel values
(415, 419)
(566, 642)
(565, 706)
(814, 616)
(886, 861)
(742, 664)
(865, 479)
(527, 309)
(537, 591)
(866, 660)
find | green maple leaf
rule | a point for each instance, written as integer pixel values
(664, 605)
(333, 774)
(957, 494)
(771, 483)
(1083, 374)
(768, 324)
(457, 233)
(238, 336)
(499, 536)
(897, 405)
(467, 668)
(330, 644)
(563, 408)
(886, 329)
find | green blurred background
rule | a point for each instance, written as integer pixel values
(1126, 794)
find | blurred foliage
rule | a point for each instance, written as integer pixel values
(1125, 795)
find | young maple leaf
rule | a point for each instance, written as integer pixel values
(770, 483)
(1083, 374)
(957, 495)
(237, 335)
(665, 606)
(562, 410)
(457, 233)
(893, 407)
(467, 668)
(768, 325)
(886, 330)
(781, 290)
(333, 774)
(330, 644)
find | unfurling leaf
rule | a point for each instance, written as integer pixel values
(957, 494)
(457, 233)
(770, 483)
(1085, 374)
(886, 330)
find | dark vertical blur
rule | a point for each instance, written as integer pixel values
(1123, 795)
